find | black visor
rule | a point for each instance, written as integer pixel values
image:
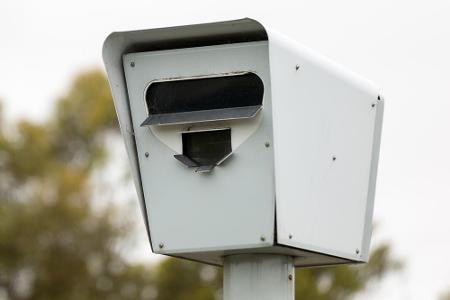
(204, 99)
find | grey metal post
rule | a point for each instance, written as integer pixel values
(258, 277)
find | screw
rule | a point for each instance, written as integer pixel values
(290, 236)
(267, 144)
(132, 64)
(161, 245)
(334, 158)
(263, 238)
(297, 67)
(290, 277)
(147, 154)
(357, 251)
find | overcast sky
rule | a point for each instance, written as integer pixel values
(403, 46)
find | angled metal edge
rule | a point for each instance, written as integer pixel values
(233, 113)
(373, 177)
(186, 160)
(205, 169)
(119, 43)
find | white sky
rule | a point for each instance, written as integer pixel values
(402, 45)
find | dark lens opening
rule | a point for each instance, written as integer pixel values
(177, 96)
(207, 148)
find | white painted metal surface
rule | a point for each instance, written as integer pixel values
(326, 138)
(259, 277)
(319, 170)
(233, 207)
(204, 62)
(119, 43)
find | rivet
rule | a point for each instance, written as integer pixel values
(147, 154)
(297, 67)
(357, 251)
(161, 245)
(263, 238)
(290, 277)
(132, 64)
(267, 144)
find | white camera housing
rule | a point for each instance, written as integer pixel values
(243, 141)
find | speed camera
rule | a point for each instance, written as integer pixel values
(243, 141)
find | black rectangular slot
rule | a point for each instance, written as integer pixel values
(207, 148)
(204, 99)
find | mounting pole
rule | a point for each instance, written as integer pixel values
(259, 277)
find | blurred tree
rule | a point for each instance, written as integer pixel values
(178, 279)
(343, 282)
(445, 296)
(55, 245)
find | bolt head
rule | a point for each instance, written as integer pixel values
(290, 236)
(161, 245)
(290, 277)
(263, 238)
(132, 64)
(373, 105)
(147, 154)
(297, 67)
(267, 144)
(334, 158)
(357, 251)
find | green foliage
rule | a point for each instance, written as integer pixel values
(55, 245)
(342, 282)
(446, 296)
(179, 280)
